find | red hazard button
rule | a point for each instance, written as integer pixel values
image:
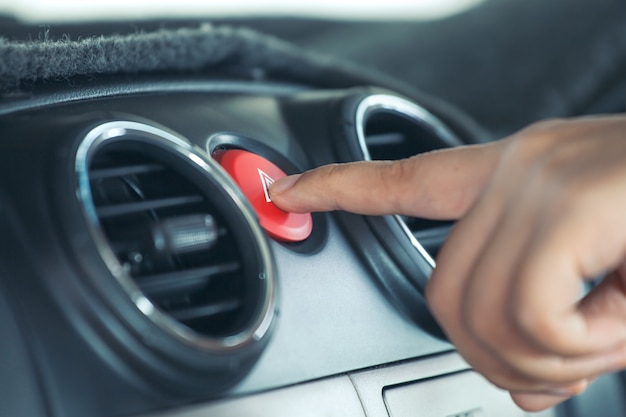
(254, 174)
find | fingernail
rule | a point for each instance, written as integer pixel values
(284, 184)
(570, 390)
(560, 392)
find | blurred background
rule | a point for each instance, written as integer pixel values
(506, 63)
(63, 10)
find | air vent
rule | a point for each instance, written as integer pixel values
(391, 128)
(176, 235)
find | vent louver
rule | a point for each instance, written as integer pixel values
(185, 247)
(198, 277)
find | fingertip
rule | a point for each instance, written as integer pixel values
(284, 184)
(280, 192)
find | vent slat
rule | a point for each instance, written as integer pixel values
(104, 173)
(384, 139)
(206, 311)
(432, 239)
(139, 206)
(176, 242)
(179, 280)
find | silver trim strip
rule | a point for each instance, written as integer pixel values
(120, 130)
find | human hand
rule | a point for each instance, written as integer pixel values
(539, 213)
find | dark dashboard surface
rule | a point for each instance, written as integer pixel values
(330, 317)
(347, 324)
(96, 324)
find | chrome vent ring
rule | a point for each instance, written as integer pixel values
(389, 128)
(176, 235)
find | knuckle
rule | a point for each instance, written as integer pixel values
(543, 370)
(546, 124)
(536, 140)
(398, 173)
(548, 131)
(578, 388)
(555, 370)
(528, 320)
(552, 370)
(478, 322)
(507, 378)
(543, 331)
(507, 381)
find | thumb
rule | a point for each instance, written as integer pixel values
(439, 185)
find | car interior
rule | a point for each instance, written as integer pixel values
(145, 271)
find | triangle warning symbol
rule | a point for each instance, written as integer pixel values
(266, 181)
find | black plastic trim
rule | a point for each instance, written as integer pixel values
(228, 140)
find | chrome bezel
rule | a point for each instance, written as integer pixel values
(407, 109)
(123, 130)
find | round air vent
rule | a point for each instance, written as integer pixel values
(390, 128)
(398, 250)
(179, 239)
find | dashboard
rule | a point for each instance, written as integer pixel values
(140, 279)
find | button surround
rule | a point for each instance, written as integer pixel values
(254, 173)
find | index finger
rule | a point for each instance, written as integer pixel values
(438, 185)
